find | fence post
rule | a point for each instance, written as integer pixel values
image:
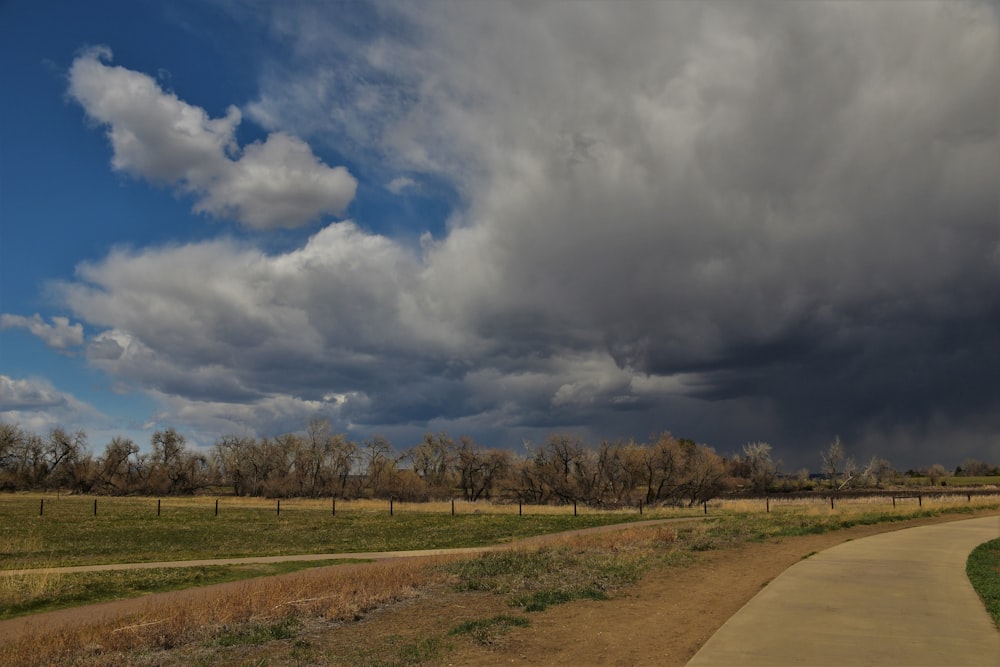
(574, 508)
(333, 508)
(640, 508)
(41, 506)
(519, 508)
(279, 507)
(831, 502)
(894, 501)
(453, 507)
(767, 504)
(705, 503)
(920, 501)
(216, 507)
(158, 501)
(95, 506)
(390, 505)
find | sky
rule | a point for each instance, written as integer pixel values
(737, 222)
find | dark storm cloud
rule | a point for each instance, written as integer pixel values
(735, 221)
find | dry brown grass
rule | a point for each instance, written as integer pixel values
(335, 595)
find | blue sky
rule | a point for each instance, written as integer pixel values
(733, 222)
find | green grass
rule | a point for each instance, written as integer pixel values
(756, 527)
(128, 530)
(543, 599)
(535, 580)
(983, 568)
(488, 631)
(257, 633)
(29, 594)
(392, 651)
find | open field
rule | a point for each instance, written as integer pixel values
(277, 619)
(49, 531)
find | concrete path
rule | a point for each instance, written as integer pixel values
(899, 598)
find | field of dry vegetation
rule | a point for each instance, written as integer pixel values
(357, 614)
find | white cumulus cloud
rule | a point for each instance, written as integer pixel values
(59, 335)
(157, 136)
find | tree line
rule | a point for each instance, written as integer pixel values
(321, 463)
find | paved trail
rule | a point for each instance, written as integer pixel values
(899, 598)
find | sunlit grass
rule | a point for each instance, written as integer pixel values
(129, 529)
(559, 569)
(47, 590)
(259, 611)
(983, 568)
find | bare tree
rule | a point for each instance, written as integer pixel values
(704, 472)
(877, 472)
(663, 462)
(174, 468)
(974, 468)
(621, 467)
(832, 459)
(379, 464)
(480, 470)
(760, 468)
(935, 473)
(433, 459)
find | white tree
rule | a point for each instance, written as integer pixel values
(761, 468)
(832, 460)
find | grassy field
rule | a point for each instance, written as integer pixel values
(48, 531)
(983, 568)
(988, 480)
(593, 567)
(129, 530)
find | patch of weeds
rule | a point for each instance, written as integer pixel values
(504, 572)
(420, 652)
(983, 569)
(542, 600)
(258, 633)
(394, 652)
(488, 631)
(536, 580)
(704, 543)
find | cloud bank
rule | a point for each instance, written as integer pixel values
(734, 221)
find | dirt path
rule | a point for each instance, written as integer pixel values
(105, 611)
(661, 621)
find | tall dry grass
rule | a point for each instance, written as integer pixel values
(17, 589)
(340, 594)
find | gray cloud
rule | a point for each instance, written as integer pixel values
(734, 221)
(59, 335)
(37, 406)
(21, 394)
